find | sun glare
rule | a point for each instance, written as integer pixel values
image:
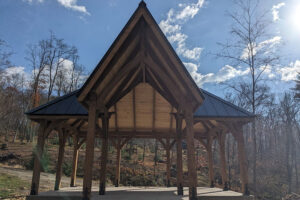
(295, 17)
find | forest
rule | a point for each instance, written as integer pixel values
(272, 139)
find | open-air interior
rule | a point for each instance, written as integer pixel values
(141, 89)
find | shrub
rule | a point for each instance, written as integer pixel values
(45, 161)
(67, 168)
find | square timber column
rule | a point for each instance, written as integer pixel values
(210, 161)
(118, 163)
(75, 160)
(62, 142)
(221, 139)
(242, 159)
(90, 143)
(179, 170)
(37, 159)
(192, 171)
(104, 151)
(168, 164)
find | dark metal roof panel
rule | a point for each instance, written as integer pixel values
(212, 106)
(65, 105)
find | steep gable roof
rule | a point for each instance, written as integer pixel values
(142, 53)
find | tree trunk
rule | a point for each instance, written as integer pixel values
(254, 155)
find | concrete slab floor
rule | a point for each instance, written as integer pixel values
(142, 193)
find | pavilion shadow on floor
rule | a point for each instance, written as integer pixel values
(145, 193)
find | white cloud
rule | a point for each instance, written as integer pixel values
(16, 76)
(271, 42)
(14, 70)
(189, 11)
(268, 45)
(69, 4)
(224, 74)
(31, 1)
(193, 54)
(290, 73)
(275, 11)
(72, 4)
(172, 27)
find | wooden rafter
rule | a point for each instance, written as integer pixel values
(101, 84)
(153, 109)
(116, 117)
(116, 80)
(163, 62)
(117, 96)
(134, 109)
(112, 51)
(159, 88)
(175, 61)
(171, 118)
(163, 76)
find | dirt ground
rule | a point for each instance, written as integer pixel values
(46, 182)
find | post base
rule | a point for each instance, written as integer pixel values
(86, 194)
(56, 187)
(33, 190)
(246, 192)
(168, 183)
(193, 193)
(102, 189)
(72, 184)
(226, 188)
(212, 184)
(180, 190)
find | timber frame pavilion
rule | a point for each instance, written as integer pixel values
(140, 89)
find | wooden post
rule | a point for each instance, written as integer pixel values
(89, 152)
(119, 145)
(104, 151)
(210, 161)
(118, 164)
(221, 140)
(61, 151)
(168, 166)
(192, 171)
(37, 160)
(179, 154)
(75, 162)
(242, 160)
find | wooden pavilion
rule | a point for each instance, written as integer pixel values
(140, 89)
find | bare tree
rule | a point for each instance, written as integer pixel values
(297, 88)
(47, 59)
(37, 57)
(250, 48)
(58, 53)
(289, 110)
(4, 55)
(70, 77)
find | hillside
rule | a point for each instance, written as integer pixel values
(16, 163)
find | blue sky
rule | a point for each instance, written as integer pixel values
(92, 25)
